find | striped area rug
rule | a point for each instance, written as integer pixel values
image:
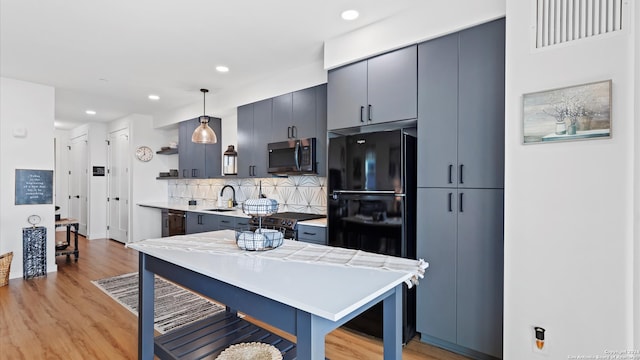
(174, 306)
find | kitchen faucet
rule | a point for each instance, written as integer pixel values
(233, 192)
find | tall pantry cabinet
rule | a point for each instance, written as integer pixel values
(461, 190)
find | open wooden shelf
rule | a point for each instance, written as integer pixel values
(167, 151)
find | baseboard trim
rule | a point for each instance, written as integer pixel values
(458, 349)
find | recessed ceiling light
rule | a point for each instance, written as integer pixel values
(221, 68)
(90, 112)
(350, 14)
(154, 97)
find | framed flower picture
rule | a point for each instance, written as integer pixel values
(580, 112)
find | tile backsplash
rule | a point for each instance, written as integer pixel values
(294, 193)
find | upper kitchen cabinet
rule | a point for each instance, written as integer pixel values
(197, 161)
(254, 133)
(377, 90)
(321, 128)
(461, 109)
(295, 114)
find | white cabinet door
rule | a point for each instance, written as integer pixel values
(118, 180)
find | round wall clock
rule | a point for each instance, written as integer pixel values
(33, 220)
(144, 153)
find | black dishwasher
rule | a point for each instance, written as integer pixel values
(173, 222)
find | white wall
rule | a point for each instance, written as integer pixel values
(636, 230)
(224, 104)
(62, 174)
(144, 222)
(569, 207)
(96, 185)
(423, 21)
(24, 107)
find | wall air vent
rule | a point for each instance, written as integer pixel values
(560, 21)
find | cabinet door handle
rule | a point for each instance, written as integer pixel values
(461, 179)
(450, 173)
(199, 219)
(294, 132)
(450, 202)
(308, 233)
(115, 198)
(370, 112)
(461, 208)
(288, 132)
(184, 173)
(361, 113)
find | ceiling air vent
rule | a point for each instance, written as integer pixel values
(560, 21)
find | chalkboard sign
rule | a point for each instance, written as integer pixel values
(34, 187)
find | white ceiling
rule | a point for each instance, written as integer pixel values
(108, 56)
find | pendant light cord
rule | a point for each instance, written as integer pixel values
(204, 103)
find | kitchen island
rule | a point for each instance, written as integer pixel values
(306, 299)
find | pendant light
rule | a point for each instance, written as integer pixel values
(203, 133)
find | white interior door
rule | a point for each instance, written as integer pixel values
(78, 173)
(118, 180)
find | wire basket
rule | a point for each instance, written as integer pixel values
(260, 207)
(5, 267)
(259, 239)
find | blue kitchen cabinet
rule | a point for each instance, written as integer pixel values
(233, 223)
(321, 128)
(377, 90)
(312, 234)
(254, 133)
(461, 109)
(226, 223)
(198, 222)
(460, 302)
(199, 161)
(295, 115)
(460, 190)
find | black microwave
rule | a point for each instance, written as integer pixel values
(292, 157)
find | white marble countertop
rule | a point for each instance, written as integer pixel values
(203, 209)
(325, 290)
(315, 222)
(194, 208)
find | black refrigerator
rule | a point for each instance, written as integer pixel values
(372, 205)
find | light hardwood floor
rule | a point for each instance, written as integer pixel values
(64, 316)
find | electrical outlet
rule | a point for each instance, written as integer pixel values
(540, 343)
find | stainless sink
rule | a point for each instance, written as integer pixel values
(220, 209)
